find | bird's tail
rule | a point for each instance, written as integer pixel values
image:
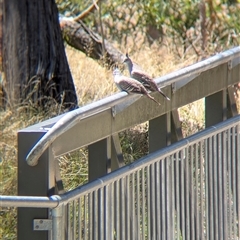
(153, 99)
(160, 91)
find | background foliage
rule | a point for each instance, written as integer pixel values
(187, 23)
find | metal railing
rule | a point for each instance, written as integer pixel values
(172, 192)
(227, 60)
(189, 190)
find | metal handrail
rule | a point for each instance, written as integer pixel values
(150, 158)
(56, 200)
(72, 118)
(29, 201)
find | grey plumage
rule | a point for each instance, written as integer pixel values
(130, 85)
(147, 81)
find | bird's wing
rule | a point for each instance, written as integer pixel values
(131, 86)
(145, 79)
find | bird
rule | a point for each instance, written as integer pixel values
(147, 81)
(130, 85)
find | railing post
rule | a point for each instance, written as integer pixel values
(57, 223)
(215, 108)
(33, 181)
(159, 132)
(98, 159)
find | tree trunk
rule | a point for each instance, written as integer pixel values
(34, 59)
(77, 35)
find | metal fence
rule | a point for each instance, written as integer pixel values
(189, 190)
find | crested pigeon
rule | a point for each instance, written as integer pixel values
(147, 81)
(130, 85)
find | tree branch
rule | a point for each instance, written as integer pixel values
(79, 36)
(86, 11)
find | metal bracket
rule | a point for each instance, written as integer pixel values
(42, 224)
(179, 84)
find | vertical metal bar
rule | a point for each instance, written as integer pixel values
(177, 185)
(132, 210)
(229, 154)
(148, 204)
(152, 199)
(117, 209)
(128, 207)
(57, 223)
(237, 132)
(215, 187)
(138, 204)
(197, 188)
(110, 205)
(183, 195)
(225, 185)
(210, 188)
(187, 193)
(202, 201)
(220, 185)
(206, 180)
(168, 199)
(191, 195)
(123, 208)
(233, 140)
(172, 206)
(144, 207)
(95, 215)
(158, 196)
(238, 174)
(86, 217)
(163, 198)
(90, 215)
(106, 213)
(68, 221)
(33, 181)
(101, 211)
(74, 220)
(79, 219)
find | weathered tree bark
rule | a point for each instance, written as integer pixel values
(34, 59)
(77, 35)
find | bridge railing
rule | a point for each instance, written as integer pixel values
(188, 190)
(97, 126)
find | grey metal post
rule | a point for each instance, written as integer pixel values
(57, 223)
(215, 108)
(159, 132)
(33, 181)
(97, 159)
